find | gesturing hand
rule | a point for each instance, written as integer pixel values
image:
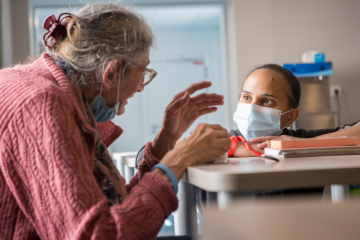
(181, 113)
(184, 109)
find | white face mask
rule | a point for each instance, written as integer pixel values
(255, 121)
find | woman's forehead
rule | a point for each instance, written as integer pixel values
(265, 81)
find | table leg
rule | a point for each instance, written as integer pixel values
(339, 193)
(185, 221)
(120, 167)
(129, 173)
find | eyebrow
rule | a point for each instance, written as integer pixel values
(269, 95)
(265, 95)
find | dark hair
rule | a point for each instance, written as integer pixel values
(292, 81)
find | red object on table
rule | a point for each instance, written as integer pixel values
(234, 141)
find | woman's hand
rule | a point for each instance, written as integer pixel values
(181, 113)
(205, 142)
(262, 141)
(242, 151)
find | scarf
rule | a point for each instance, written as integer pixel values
(105, 172)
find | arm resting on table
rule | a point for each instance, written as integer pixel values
(353, 131)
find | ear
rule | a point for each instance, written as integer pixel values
(111, 73)
(293, 115)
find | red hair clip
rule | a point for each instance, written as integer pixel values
(55, 29)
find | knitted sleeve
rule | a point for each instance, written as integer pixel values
(147, 162)
(48, 168)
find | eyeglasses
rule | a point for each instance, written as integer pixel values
(147, 75)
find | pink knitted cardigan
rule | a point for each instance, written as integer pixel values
(47, 186)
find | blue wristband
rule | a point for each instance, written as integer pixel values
(170, 173)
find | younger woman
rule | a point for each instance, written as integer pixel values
(268, 105)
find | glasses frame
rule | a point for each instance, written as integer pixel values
(152, 71)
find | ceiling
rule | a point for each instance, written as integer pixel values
(182, 17)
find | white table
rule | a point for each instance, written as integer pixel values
(311, 220)
(241, 176)
(251, 174)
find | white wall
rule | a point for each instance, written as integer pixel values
(6, 48)
(15, 29)
(280, 31)
(20, 30)
(201, 43)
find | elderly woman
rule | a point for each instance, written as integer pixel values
(57, 180)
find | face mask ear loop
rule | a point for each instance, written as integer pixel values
(286, 112)
(101, 88)
(117, 96)
(283, 114)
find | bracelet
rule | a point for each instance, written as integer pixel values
(170, 173)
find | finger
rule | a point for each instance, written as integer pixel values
(258, 140)
(207, 110)
(263, 139)
(179, 95)
(223, 143)
(205, 127)
(262, 145)
(216, 131)
(217, 134)
(207, 97)
(217, 152)
(197, 86)
(178, 104)
(209, 104)
(257, 149)
(214, 152)
(192, 89)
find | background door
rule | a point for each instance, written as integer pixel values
(174, 77)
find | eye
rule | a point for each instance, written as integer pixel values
(268, 101)
(246, 98)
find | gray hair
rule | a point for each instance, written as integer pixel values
(98, 34)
